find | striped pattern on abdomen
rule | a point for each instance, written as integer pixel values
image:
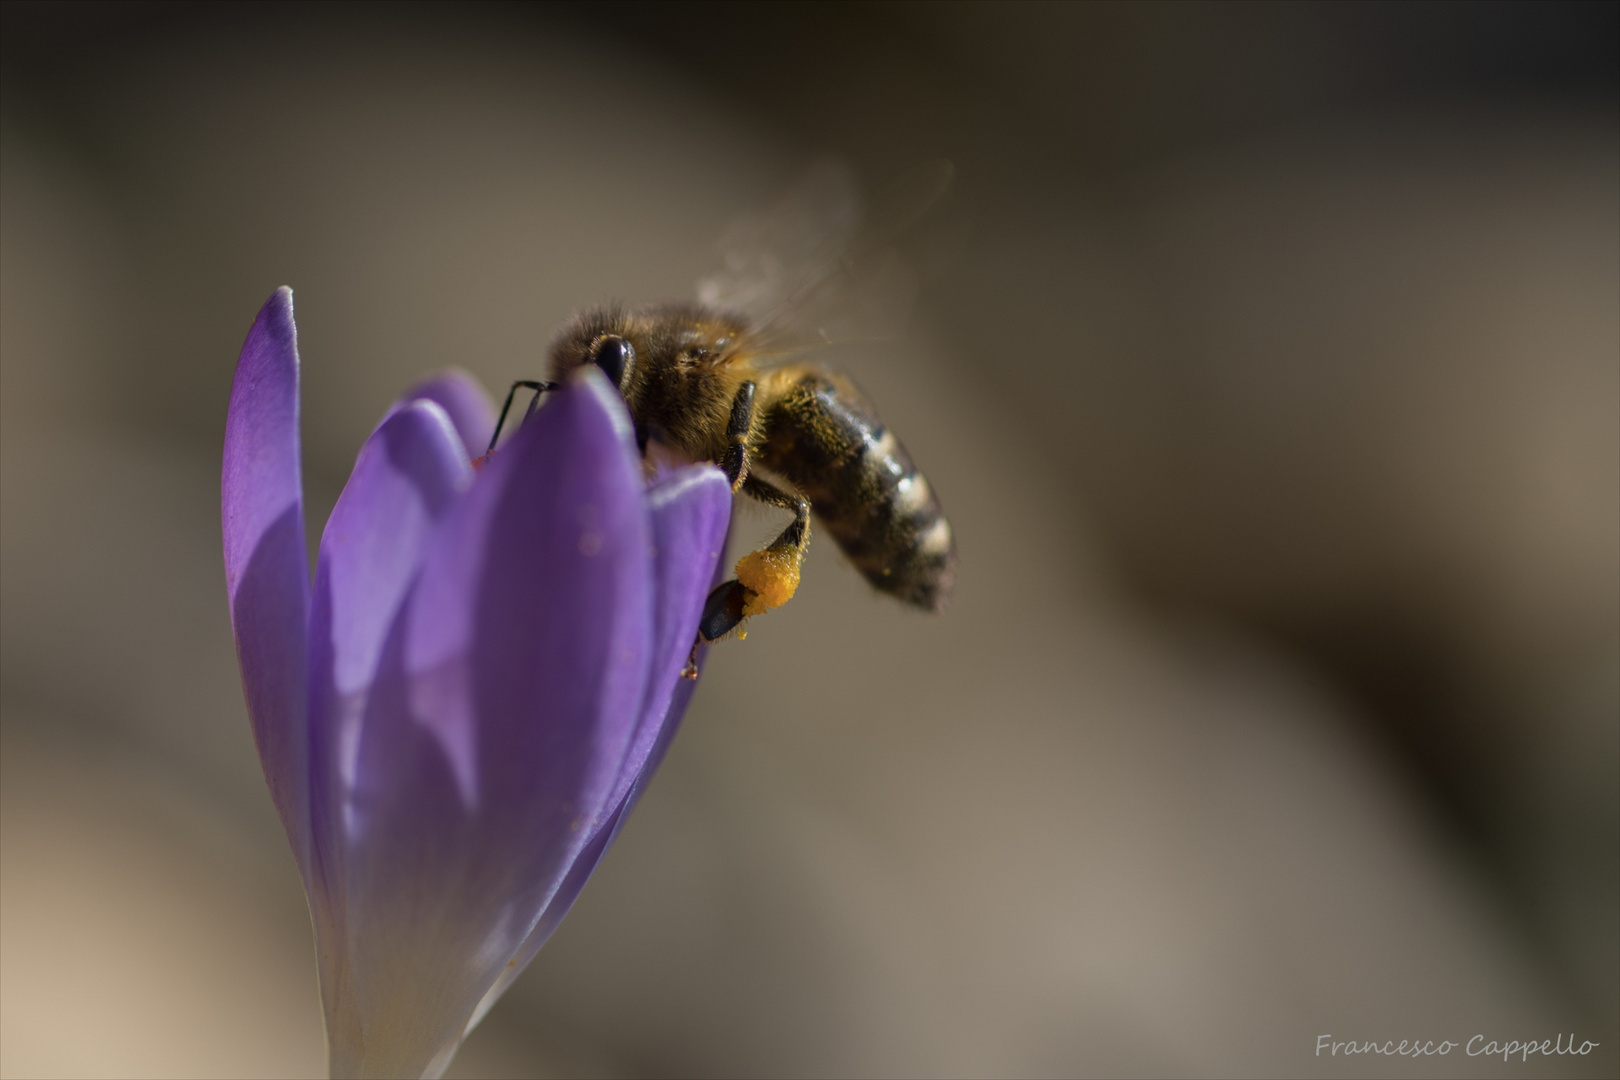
(821, 436)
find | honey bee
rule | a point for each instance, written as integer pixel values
(725, 380)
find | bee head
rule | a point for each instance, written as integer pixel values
(601, 337)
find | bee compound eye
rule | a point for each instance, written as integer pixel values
(614, 356)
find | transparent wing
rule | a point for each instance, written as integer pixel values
(813, 269)
(770, 254)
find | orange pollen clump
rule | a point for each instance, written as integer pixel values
(771, 575)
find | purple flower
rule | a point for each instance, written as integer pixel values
(456, 718)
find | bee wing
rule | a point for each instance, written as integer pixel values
(769, 255)
(813, 269)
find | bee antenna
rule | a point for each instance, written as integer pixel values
(522, 384)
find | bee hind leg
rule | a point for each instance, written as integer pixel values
(766, 578)
(723, 611)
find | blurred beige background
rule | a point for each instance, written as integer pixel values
(1268, 365)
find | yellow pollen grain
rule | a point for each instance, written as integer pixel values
(772, 576)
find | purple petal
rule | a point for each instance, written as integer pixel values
(690, 511)
(464, 399)
(690, 519)
(266, 573)
(408, 473)
(505, 701)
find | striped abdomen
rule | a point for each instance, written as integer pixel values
(821, 436)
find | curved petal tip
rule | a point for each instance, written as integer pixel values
(464, 400)
(266, 571)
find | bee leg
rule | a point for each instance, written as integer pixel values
(771, 575)
(722, 611)
(766, 578)
(735, 461)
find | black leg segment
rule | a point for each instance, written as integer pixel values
(735, 462)
(728, 603)
(797, 534)
(723, 610)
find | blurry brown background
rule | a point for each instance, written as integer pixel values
(1268, 365)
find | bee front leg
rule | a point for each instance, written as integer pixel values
(766, 578)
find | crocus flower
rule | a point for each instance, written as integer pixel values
(455, 720)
